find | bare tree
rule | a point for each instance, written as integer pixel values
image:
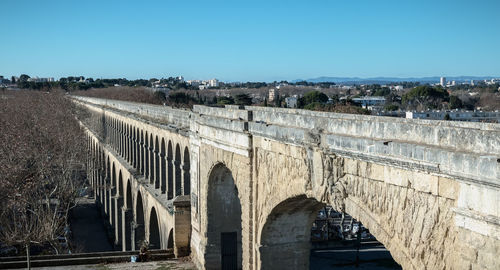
(42, 156)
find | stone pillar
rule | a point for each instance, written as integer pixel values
(181, 165)
(182, 225)
(157, 169)
(110, 205)
(139, 235)
(177, 178)
(134, 156)
(105, 194)
(170, 174)
(118, 219)
(145, 167)
(151, 164)
(141, 157)
(127, 232)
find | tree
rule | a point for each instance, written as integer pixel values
(160, 96)
(455, 102)
(225, 100)
(242, 99)
(425, 96)
(42, 160)
(312, 97)
(24, 78)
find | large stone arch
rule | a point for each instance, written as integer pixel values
(224, 217)
(154, 235)
(139, 220)
(285, 237)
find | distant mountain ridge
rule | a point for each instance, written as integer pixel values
(382, 80)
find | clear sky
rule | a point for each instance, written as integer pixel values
(250, 40)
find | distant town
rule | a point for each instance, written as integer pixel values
(458, 98)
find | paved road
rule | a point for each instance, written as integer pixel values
(89, 233)
(371, 257)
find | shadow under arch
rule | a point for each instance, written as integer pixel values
(285, 237)
(154, 230)
(224, 240)
(139, 230)
(170, 242)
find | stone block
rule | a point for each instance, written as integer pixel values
(425, 183)
(395, 176)
(448, 188)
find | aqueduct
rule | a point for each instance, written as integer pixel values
(240, 186)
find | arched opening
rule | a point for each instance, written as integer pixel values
(339, 240)
(163, 169)
(178, 173)
(127, 220)
(170, 176)
(139, 236)
(187, 178)
(224, 248)
(285, 237)
(170, 243)
(154, 230)
(303, 233)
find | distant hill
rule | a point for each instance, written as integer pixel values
(384, 80)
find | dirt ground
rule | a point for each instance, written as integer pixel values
(158, 265)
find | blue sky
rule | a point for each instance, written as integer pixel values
(250, 40)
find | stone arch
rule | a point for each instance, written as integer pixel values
(170, 242)
(139, 228)
(187, 176)
(146, 156)
(224, 218)
(285, 237)
(154, 230)
(163, 173)
(178, 171)
(157, 163)
(170, 176)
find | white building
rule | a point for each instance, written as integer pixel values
(369, 102)
(442, 81)
(213, 83)
(291, 102)
(37, 79)
(469, 116)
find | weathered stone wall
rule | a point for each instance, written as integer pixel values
(428, 190)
